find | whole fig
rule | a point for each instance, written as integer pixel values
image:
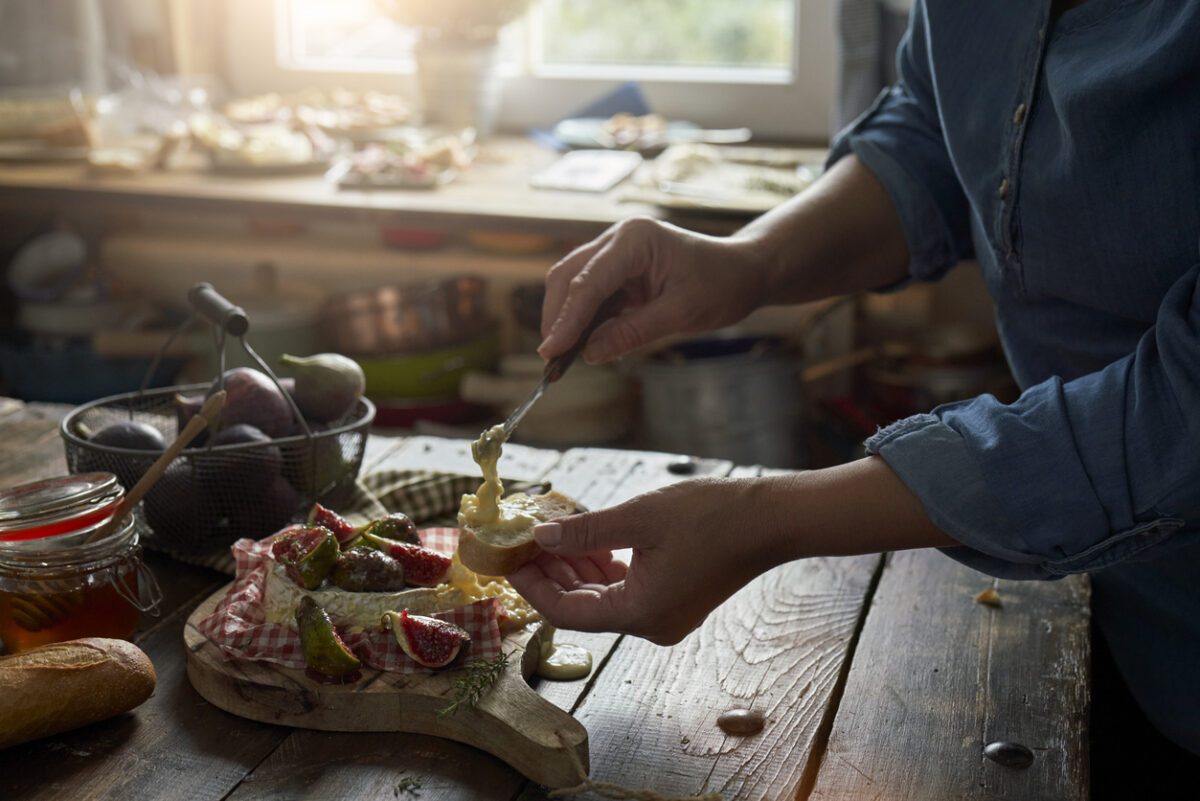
(327, 385)
(316, 466)
(129, 435)
(266, 513)
(362, 569)
(239, 475)
(252, 397)
(177, 511)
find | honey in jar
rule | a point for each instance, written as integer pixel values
(65, 572)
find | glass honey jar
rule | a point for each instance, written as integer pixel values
(55, 583)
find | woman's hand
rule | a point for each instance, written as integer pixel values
(674, 282)
(694, 544)
(840, 235)
(698, 542)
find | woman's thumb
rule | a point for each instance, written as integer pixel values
(577, 535)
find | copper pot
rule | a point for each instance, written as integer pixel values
(407, 318)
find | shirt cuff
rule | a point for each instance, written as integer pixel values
(929, 239)
(934, 461)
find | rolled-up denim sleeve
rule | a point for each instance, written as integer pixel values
(899, 139)
(1073, 476)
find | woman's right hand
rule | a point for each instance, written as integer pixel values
(674, 282)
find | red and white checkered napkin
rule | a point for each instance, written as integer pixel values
(237, 625)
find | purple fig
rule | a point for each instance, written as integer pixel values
(362, 569)
(327, 385)
(252, 397)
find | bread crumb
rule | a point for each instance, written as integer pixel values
(989, 597)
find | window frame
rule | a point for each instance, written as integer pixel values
(795, 107)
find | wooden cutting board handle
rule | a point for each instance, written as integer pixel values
(511, 721)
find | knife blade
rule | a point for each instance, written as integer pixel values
(559, 364)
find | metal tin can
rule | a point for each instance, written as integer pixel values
(56, 583)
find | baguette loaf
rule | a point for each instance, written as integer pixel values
(500, 547)
(65, 685)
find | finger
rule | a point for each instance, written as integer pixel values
(587, 609)
(614, 571)
(574, 571)
(599, 279)
(586, 533)
(635, 327)
(559, 278)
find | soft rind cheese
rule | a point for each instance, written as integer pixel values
(362, 610)
(353, 610)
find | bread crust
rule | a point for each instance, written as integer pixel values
(65, 685)
(488, 558)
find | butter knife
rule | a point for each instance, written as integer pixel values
(559, 364)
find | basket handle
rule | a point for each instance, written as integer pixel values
(220, 312)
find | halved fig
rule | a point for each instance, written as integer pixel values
(308, 554)
(423, 567)
(396, 526)
(430, 642)
(324, 650)
(340, 526)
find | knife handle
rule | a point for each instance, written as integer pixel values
(559, 364)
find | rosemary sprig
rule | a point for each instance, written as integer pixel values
(409, 785)
(478, 676)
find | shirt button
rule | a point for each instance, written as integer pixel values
(1004, 187)
(1019, 115)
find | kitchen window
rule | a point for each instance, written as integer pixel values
(768, 64)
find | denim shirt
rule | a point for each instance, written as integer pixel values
(1064, 156)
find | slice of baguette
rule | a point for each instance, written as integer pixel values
(500, 548)
(65, 685)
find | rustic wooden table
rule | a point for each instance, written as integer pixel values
(880, 678)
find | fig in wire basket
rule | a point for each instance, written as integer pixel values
(327, 385)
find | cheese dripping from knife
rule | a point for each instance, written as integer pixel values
(483, 508)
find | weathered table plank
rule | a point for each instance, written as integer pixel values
(173, 746)
(32, 450)
(778, 645)
(518, 462)
(937, 676)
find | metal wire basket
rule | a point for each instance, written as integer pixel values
(212, 495)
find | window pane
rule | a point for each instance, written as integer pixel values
(753, 34)
(343, 34)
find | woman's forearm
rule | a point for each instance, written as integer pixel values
(840, 235)
(853, 508)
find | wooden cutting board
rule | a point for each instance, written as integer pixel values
(511, 721)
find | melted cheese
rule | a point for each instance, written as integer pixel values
(462, 582)
(483, 508)
(564, 661)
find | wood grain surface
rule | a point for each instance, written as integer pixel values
(876, 683)
(937, 676)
